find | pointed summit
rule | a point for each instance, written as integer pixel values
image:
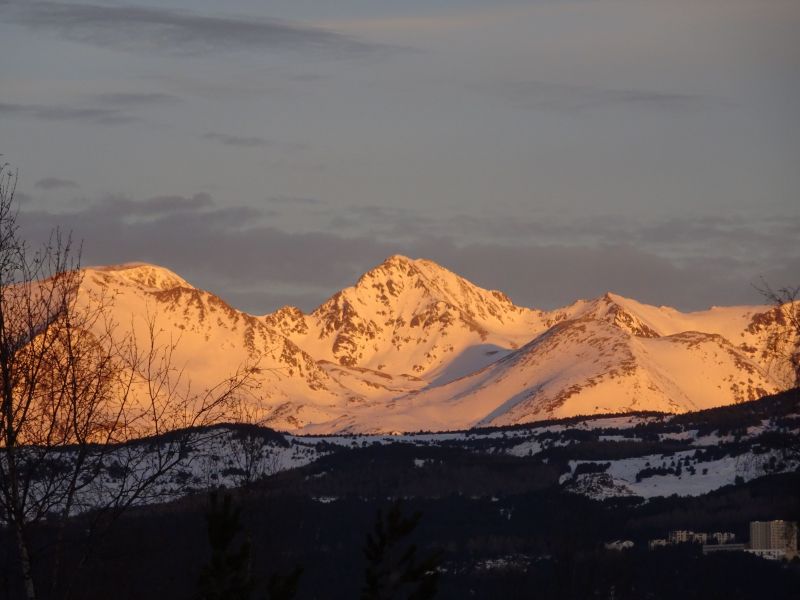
(410, 316)
(629, 315)
(424, 281)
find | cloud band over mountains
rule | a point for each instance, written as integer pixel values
(244, 255)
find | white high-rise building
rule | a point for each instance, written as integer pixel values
(773, 536)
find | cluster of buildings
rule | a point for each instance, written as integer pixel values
(683, 536)
(774, 540)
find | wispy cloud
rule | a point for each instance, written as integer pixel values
(449, 20)
(130, 99)
(145, 29)
(251, 141)
(238, 252)
(56, 183)
(237, 140)
(223, 248)
(102, 116)
(121, 207)
(566, 98)
(294, 201)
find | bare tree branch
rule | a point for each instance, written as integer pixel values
(79, 396)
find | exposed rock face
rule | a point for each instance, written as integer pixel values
(212, 341)
(414, 346)
(410, 317)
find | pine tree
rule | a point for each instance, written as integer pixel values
(394, 570)
(227, 575)
(284, 587)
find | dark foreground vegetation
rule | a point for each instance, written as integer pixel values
(492, 525)
(539, 544)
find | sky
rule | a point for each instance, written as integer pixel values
(272, 151)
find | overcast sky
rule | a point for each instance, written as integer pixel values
(271, 151)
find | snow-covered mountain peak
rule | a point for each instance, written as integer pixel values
(623, 313)
(408, 316)
(421, 283)
(629, 315)
(287, 320)
(143, 275)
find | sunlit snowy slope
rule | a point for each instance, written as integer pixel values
(412, 346)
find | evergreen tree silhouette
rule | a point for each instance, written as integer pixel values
(227, 575)
(394, 571)
(284, 587)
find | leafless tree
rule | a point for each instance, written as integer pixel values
(254, 451)
(784, 343)
(254, 455)
(784, 340)
(77, 394)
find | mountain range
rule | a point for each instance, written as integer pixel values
(412, 346)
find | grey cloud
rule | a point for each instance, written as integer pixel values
(392, 222)
(173, 211)
(304, 77)
(236, 253)
(251, 141)
(549, 276)
(235, 140)
(156, 206)
(102, 116)
(692, 231)
(579, 98)
(294, 201)
(56, 183)
(690, 262)
(127, 99)
(546, 229)
(749, 238)
(746, 237)
(135, 28)
(234, 246)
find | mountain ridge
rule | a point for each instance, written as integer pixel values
(412, 345)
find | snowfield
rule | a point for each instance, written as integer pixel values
(688, 464)
(414, 347)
